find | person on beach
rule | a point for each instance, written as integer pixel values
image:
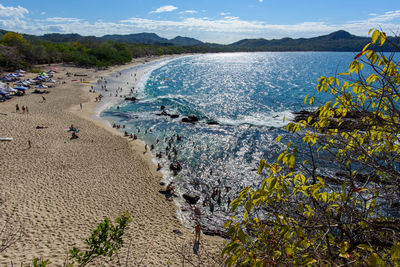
(41, 127)
(196, 244)
(16, 108)
(44, 99)
(74, 135)
(211, 207)
(26, 108)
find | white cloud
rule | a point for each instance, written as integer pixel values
(162, 9)
(260, 1)
(64, 20)
(388, 16)
(16, 12)
(188, 12)
(12, 18)
(226, 29)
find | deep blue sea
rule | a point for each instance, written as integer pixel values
(247, 94)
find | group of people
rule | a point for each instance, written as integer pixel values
(25, 109)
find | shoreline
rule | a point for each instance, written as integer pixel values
(60, 189)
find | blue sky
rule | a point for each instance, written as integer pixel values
(207, 20)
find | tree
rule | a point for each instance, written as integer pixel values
(13, 39)
(335, 199)
(105, 240)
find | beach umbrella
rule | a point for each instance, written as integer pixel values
(23, 83)
(21, 88)
(9, 89)
(6, 79)
(2, 92)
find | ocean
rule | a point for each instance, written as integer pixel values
(243, 102)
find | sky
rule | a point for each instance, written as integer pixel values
(213, 21)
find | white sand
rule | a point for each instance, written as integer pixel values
(60, 189)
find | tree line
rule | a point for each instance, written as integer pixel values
(17, 52)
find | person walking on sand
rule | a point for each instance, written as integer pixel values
(196, 244)
(80, 105)
(16, 108)
(197, 230)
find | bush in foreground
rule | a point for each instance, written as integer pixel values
(305, 215)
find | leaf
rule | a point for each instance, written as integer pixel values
(395, 252)
(365, 247)
(382, 38)
(361, 53)
(356, 190)
(309, 261)
(291, 161)
(374, 36)
(241, 235)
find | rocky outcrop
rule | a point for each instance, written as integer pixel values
(190, 119)
(191, 198)
(352, 120)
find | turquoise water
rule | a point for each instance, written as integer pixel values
(247, 94)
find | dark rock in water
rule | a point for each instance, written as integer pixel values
(176, 231)
(191, 198)
(174, 116)
(214, 233)
(190, 119)
(162, 107)
(212, 123)
(131, 98)
(164, 192)
(352, 120)
(193, 118)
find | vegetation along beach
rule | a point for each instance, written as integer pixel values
(190, 134)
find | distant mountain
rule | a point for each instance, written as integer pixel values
(185, 41)
(336, 41)
(143, 38)
(136, 38)
(60, 38)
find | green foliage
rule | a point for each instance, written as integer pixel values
(13, 39)
(40, 262)
(105, 240)
(303, 216)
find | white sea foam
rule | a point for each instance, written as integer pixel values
(142, 74)
(272, 119)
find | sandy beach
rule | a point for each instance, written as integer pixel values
(57, 189)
